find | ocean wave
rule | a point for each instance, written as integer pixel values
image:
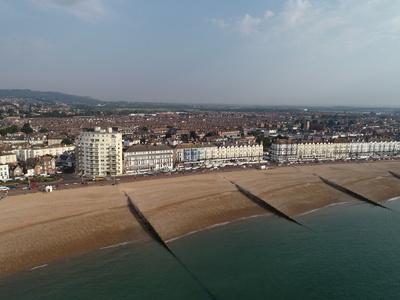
(115, 245)
(38, 267)
(314, 210)
(210, 227)
(393, 199)
(196, 231)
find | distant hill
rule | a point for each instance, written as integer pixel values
(47, 96)
(84, 102)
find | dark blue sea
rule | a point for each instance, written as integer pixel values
(347, 251)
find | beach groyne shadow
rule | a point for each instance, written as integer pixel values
(350, 192)
(148, 227)
(264, 204)
(144, 223)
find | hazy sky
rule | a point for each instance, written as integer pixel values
(268, 52)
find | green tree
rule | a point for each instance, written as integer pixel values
(27, 128)
(193, 135)
(211, 133)
(13, 129)
(185, 137)
(257, 133)
(43, 130)
(66, 141)
(265, 141)
(331, 122)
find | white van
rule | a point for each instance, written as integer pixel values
(4, 188)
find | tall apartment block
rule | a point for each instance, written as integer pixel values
(99, 153)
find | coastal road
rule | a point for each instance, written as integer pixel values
(69, 181)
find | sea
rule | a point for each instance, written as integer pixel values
(346, 251)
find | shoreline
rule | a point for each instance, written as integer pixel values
(37, 229)
(320, 208)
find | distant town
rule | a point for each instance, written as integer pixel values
(42, 137)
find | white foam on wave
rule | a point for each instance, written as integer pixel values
(38, 267)
(314, 210)
(311, 211)
(210, 227)
(115, 245)
(196, 231)
(393, 199)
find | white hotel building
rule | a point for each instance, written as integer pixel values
(26, 152)
(211, 154)
(287, 151)
(141, 159)
(99, 153)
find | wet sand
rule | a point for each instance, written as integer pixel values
(39, 228)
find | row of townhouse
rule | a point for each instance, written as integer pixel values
(7, 157)
(25, 152)
(218, 153)
(37, 139)
(99, 153)
(21, 138)
(140, 159)
(287, 151)
(44, 165)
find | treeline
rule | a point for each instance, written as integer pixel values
(26, 128)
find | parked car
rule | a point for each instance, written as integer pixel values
(4, 188)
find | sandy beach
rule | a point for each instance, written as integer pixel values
(39, 228)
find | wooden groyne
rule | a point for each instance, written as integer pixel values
(147, 225)
(350, 192)
(264, 204)
(397, 175)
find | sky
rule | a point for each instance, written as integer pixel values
(262, 52)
